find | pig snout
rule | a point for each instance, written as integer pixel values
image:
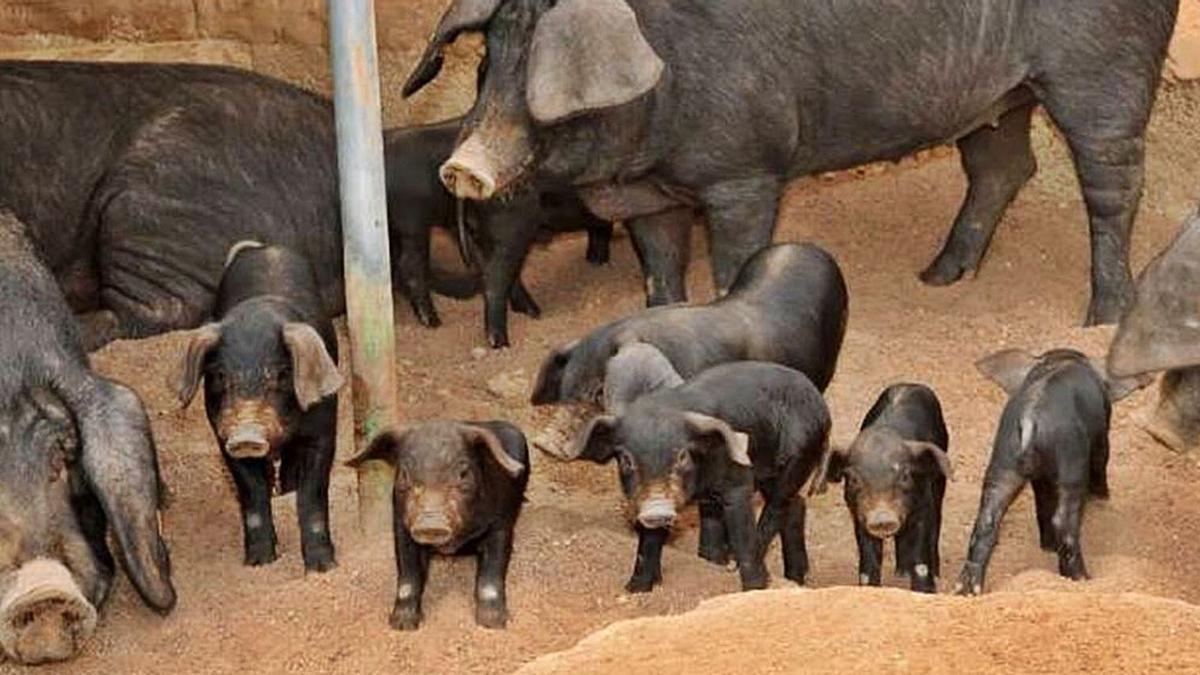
(247, 441)
(43, 614)
(657, 513)
(432, 528)
(883, 523)
(487, 161)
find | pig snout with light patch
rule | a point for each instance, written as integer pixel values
(458, 490)
(1053, 433)
(895, 475)
(269, 376)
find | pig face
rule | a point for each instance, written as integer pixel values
(547, 62)
(881, 470)
(661, 456)
(608, 372)
(440, 467)
(260, 373)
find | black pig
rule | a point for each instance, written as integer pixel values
(459, 490)
(733, 429)
(654, 108)
(1053, 433)
(78, 459)
(788, 306)
(895, 473)
(269, 372)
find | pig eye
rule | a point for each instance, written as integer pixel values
(464, 471)
(283, 375)
(683, 457)
(625, 462)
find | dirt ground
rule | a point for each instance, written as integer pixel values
(574, 550)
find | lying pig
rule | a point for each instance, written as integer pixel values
(269, 374)
(788, 306)
(896, 471)
(733, 429)
(1053, 433)
(78, 461)
(501, 232)
(1162, 332)
(459, 489)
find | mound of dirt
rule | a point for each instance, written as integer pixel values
(872, 630)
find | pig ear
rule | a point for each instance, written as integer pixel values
(595, 442)
(587, 55)
(121, 466)
(737, 444)
(483, 437)
(463, 15)
(314, 374)
(385, 447)
(830, 471)
(1007, 368)
(548, 388)
(186, 379)
(918, 448)
(1120, 387)
(637, 369)
(1161, 331)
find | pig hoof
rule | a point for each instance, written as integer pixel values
(320, 564)
(490, 615)
(405, 617)
(943, 271)
(757, 582)
(970, 581)
(640, 585)
(1105, 310)
(260, 555)
(427, 316)
(498, 340)
(714, 555)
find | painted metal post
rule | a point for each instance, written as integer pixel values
(365, 244)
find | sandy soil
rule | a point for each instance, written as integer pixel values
(574, 550)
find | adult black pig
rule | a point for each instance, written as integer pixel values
(269, 372)
(459, 489)
(652, 107)
(502, 232)
(895, 473)
(733, 429)
(788, 306)
(1053, 433)
(1162, 332)
(77, 459)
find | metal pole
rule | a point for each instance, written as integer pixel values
(365, 245)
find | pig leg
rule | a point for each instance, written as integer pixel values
(1098, 467)
(647, 569)
(998, 162)
(714, 545)
(251, 478)
(738, 509)
(599, 237)
(999, 490)
(795, 551)
(1067, 518)
(663, 243)
(504, 248)
(741, 220)
(312, 504)
(413, 268)
(870, 556)
(912, 554)
(412, 562)
(1045, 495)
(522, 301)
(491, 604)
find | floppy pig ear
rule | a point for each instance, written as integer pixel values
(186, 378)
(917, 448)
(637, 369)
(462, 15)
(1120, 387)
(737, 444)
(548, 388)
(830, 470)
(587, 55)
(383, 448)
(481, 436)
(1007, 368)
(595, 442)
(314, 374)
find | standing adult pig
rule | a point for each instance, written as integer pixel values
(269, 372)
(652, 108)
(788, 305)
(895, 473)
(734, 429)
(458, 490)
(502, 233)
(1053, 433)
(78, 460)
(1162, 332)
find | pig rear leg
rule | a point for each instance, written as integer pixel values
(251, 477)
(647, 568)
(1045, 496)
(998, 162)
(412, 563)
(1098, 468)
(870, 556)
(312, 507)
(741, 221)
(663, 243)
(998, 493)
(491, 571)
(1067, 521)
(795, 550)
(599, 238)
(714, 545)
(521, 300)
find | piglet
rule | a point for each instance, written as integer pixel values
(1053, 433)
(895, 478)
(731, 430)
(459, 489)
(269, 372)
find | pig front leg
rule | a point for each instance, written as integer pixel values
(312, 503)
(412, 268)
(795, 551)
(741, 221)
(744, 538)
(251, 478)
(491, 573)
(999, 490)
(503, 249)
(714, 545)
(1067, 520)
(647, 568)
(870, 556)
(913, 547)
(522, 301)
(412, 568)
(663, 243)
